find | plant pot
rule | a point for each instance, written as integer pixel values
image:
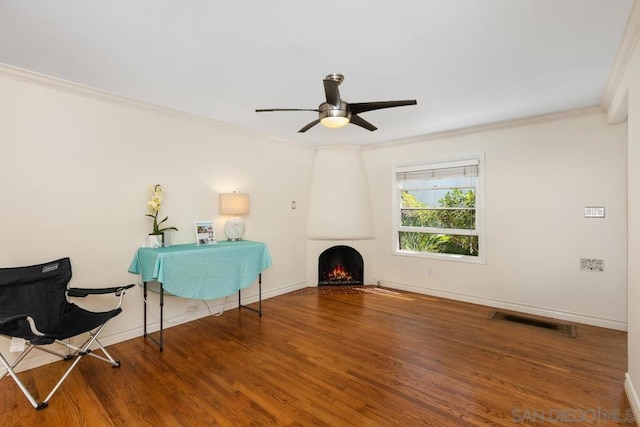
(155, 240)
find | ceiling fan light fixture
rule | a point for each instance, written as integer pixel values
(334, 117)
(334, 122)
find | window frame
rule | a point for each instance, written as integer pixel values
(479, 211)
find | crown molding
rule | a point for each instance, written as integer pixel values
(76, 89)
(65, 86)
(612, 100)
(541, 118)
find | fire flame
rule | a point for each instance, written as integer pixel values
(339, 273)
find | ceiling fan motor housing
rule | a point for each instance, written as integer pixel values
(329, 110)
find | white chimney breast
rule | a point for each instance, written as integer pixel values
(340, 201)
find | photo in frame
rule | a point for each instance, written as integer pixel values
(204, 233)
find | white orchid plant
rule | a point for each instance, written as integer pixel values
(156, 194)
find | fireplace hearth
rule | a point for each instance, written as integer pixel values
(340, 265)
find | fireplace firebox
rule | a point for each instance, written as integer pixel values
(340, 265)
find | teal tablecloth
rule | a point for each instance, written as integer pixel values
(205, 271)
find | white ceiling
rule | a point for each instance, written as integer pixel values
(466, 62)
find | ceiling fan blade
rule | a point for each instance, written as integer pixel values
(331, 92)
(361, 107)
(359, 121)
(267, 110)
(309, 126)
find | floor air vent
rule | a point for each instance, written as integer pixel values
(546, 325)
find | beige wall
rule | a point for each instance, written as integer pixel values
(623, 102)
(629, 93)
(539, 177)
(74, 172)
(633, 375)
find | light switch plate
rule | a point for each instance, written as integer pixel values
(594, 212)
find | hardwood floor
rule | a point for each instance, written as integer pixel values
(356, 359)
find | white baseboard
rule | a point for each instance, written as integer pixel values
(632, 395)
(228, 303)
(39, 358)
(506, 305)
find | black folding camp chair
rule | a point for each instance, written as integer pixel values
(35, 313)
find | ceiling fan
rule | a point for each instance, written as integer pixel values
(335, 112)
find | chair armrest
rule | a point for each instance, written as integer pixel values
(7, 320)
(11, 326)
(83, 292)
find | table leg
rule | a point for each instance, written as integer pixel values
(146, 334)
(260, 294)
(161, 315)
(144, 298)
(259, 310)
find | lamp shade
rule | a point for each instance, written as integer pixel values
(234, 203)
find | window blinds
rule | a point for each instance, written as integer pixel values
(466, 168)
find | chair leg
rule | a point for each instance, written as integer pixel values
(80, 352)
(9, 370)
(84, 348)
(110, 359)
(77, 354)
(45, 402)
(55, 353)
(16, 361)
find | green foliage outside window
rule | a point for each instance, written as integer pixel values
(455, 210)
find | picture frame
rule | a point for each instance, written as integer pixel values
(205, 235)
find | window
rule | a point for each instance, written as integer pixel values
(438, 210)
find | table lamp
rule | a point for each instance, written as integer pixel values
(234, 204)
